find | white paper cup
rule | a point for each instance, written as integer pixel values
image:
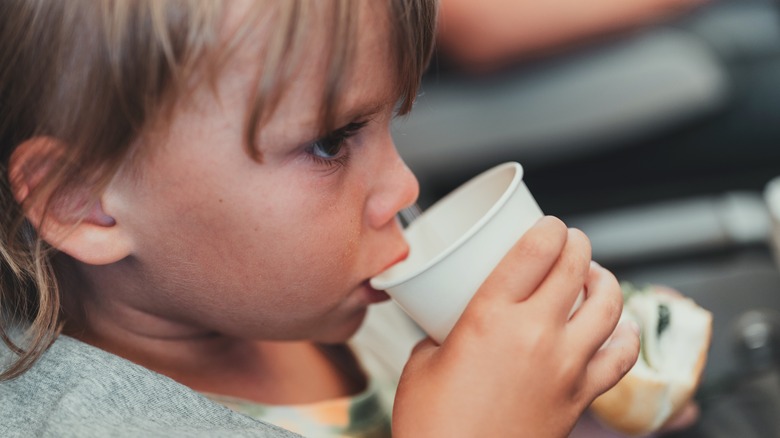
(456, 244)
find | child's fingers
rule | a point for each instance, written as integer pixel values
(424, 347)
(614, 360)
(598, 315)
(421, 353)
(526, 265)
(562, 286)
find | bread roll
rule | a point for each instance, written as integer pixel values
(675, 337)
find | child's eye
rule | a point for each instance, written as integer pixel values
(327, 148)
(332, 148)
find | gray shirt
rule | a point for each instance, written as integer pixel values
(78, 390)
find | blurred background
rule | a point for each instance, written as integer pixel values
(656, 130)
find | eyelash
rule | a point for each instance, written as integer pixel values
(335, 140)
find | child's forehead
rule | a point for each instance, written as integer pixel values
(368, 79)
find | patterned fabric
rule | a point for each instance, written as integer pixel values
(362, 416)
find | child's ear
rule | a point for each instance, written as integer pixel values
(97, 239)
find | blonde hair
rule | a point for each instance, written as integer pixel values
(94, 75)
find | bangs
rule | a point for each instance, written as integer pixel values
(412, 27)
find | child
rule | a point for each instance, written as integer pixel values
(201, 190)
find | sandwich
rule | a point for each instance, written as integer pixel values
(674, 340)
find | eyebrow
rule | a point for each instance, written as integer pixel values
(345, 131)
(367, 109)
(348, 114)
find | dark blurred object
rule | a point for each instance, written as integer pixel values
(683, 109)
(757, 340)
(748, 409)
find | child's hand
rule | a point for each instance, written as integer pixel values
(514, 364)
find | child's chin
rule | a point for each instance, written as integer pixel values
(338, 334)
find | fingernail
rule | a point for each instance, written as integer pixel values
(594, 264)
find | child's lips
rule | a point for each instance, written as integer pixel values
(401, 257)
(377, 296)
(373, 295)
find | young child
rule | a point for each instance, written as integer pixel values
(194, 197)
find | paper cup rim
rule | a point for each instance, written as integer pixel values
(378, 283)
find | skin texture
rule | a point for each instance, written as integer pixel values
(212, 258)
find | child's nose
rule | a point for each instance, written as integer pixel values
(395, 189)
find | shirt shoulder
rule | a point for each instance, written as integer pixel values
(75, 389)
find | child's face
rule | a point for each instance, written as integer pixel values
(280, 249)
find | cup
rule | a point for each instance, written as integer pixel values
(456, 243)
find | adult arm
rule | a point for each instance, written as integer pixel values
(492, 32)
